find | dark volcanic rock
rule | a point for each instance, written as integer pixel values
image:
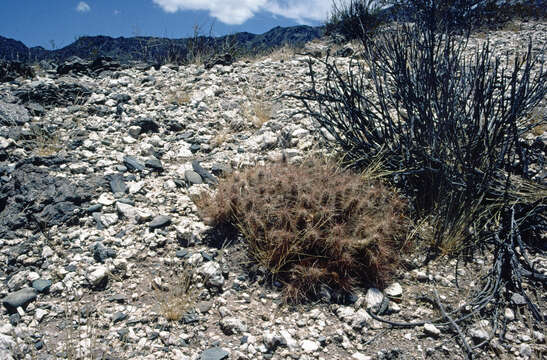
(225, 59)
(13, 114)
(159, 222)
(206, 175)
(30, 197)
(65, 92)
(117, 184)
(75, 65)
(21, 298)
(133, 164)
(11, 70)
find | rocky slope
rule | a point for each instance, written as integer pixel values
(101, 244)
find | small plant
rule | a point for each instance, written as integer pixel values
(46, 144)
(312, 225)
(179, 97)
(353, 19)
(178, 297)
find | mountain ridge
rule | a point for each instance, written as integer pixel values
(158, 49)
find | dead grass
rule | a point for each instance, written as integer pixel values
(179, 294)
(258, 112)
(47, 144)
(312, 225)
(179, 97)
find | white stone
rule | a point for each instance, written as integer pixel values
(394, 290)
(309, 346)
(97, 274)
(212, 273)
(509, 314)
(106, 199)
(292, 344)
(359, 356)
(374, 298)
(431, 329)
(40, 314)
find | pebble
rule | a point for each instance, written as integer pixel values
(430, 329)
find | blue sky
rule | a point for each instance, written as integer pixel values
(60, 22)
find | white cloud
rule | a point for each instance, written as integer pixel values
(117, 12)
(235, 12)
(83, 7)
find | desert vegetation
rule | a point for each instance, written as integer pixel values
(313, 226)
(448, 122)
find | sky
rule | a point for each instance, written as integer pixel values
(57, 23)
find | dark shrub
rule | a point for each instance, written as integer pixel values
(447, 124)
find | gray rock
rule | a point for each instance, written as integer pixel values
(518, 299)
(19, 298)
(205, 175)
(12, 114)
(215, 353)
(154, 164)
(193, 177)
(431, 330)
(101, 253)
(117, 184)
(159, 222)
(231, 325)
(42, 285)
(133, 164)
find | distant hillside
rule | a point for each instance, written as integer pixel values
(152, 49)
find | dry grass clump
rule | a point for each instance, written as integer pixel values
(312, 225)
(178, 296)
(258, 112)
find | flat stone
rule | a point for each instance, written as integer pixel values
(432, 330)
(193, 177)
(20, 298)
(117, 184)
(309, 346)
(159, 222)
(215, 353)
(154, 164)
(42, 285)
(394, 290)
(133, 164)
